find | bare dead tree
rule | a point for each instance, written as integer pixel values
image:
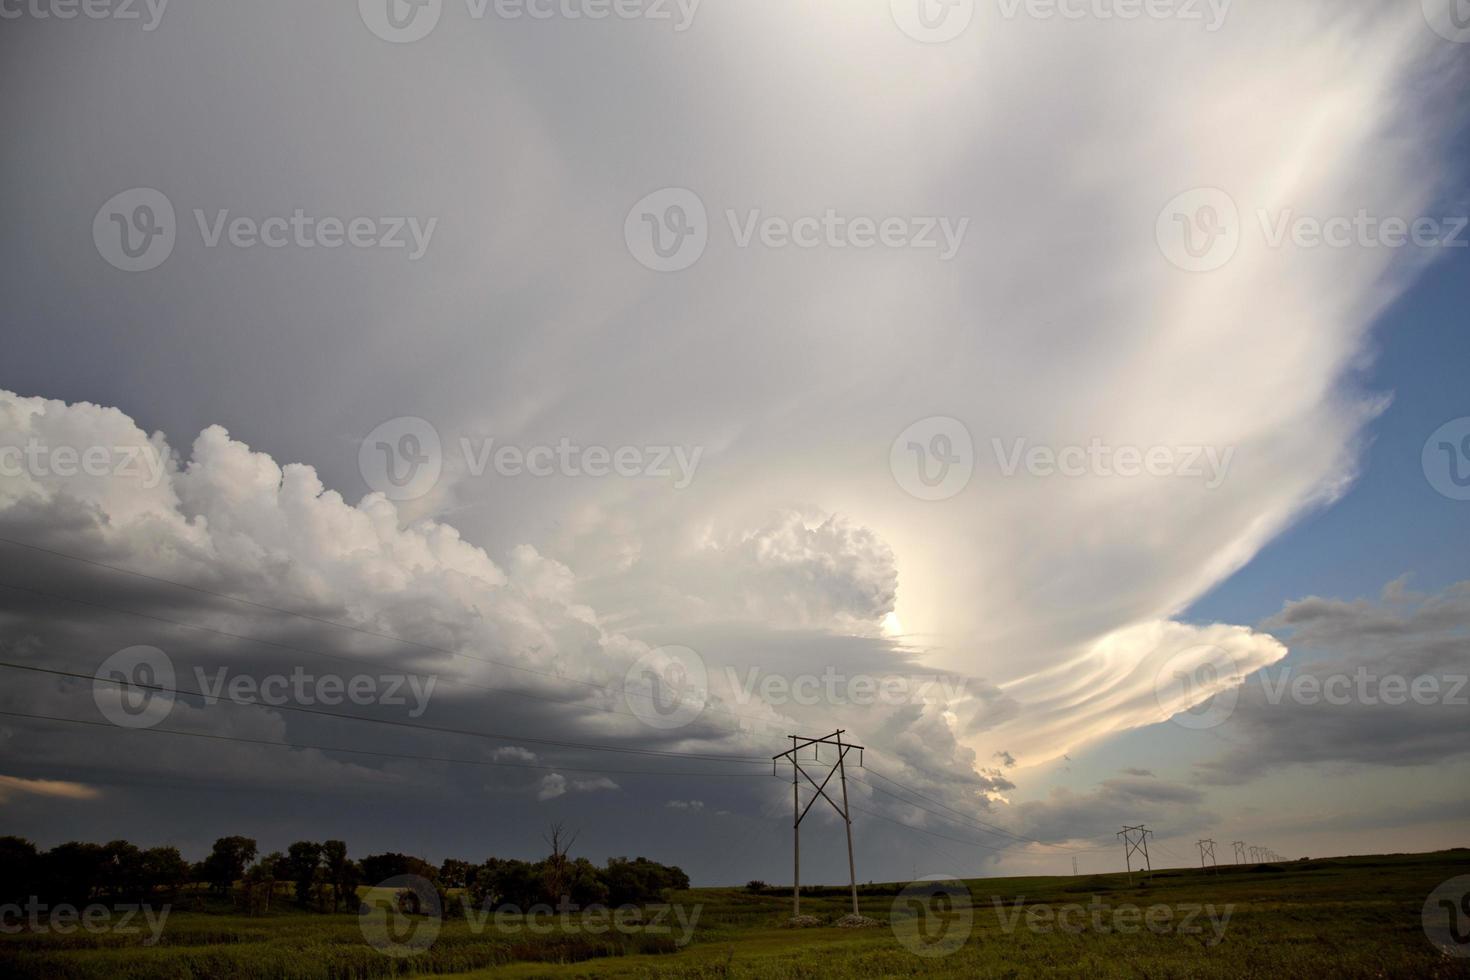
(557, 874)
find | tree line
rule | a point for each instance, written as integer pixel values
(316, 876)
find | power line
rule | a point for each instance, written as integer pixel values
(979, 825)
(379, 754)
(993, 827)
(344, 626)
(394, 722)
(930, 833)
(459, 681)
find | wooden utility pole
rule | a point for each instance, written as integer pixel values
(797, 773)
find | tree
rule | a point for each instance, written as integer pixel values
(72, 872)
(557, 870)
(341, 873)
(454, 873)
(641, 880)
(227, 862)
(500, 882)
(20, 867)
(260, 881)
(165, 868)
(585, 884)
(303, 858)
(121, 871)
(377, 868)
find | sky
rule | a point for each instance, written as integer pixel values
(1083, 382)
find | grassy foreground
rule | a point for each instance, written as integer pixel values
(1345, 917)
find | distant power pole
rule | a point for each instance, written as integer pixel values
(1135, 840)
(797, 744)
(1074, 866)
(1239, 846)
(1207, 850)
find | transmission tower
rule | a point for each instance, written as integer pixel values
(1135, 840)
(1239, 846)
(1207, 850)
(797, 744)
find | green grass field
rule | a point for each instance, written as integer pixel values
(1345, 917)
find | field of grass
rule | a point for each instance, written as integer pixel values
(1345, 917)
